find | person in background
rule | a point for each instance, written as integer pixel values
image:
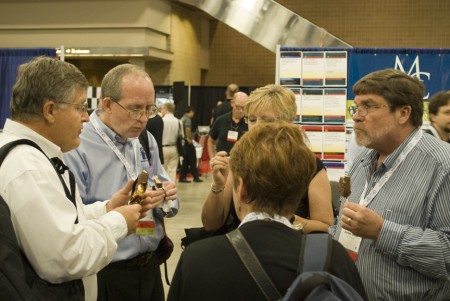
(270, 169)
(271, 103)
(109, 155)
(213, 112)
(190, 161)
(225, 107)
(439, 113)
(396, 221)
(63, 239)
(172, 128)
(155, 126)
(229, 127)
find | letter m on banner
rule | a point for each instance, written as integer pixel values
(413, 71)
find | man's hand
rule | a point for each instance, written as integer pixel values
(361, 221)
(132, 214)
(171, 190)
(220, 168)
(121, 197)
(151, 199)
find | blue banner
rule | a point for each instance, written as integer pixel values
(431, 68)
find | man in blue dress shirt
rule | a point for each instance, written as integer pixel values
(109, 155)
(396, 222)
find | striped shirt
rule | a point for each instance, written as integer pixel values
(410, 260)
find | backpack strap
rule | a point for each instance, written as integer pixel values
(316, 252)
(253, 265)
(143, 139)
(5, 149)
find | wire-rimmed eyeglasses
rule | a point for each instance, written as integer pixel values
(149, 111)
(363, 110)
(82, 108)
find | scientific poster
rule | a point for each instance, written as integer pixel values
(334, 142)
(314, 134)
(312, 106)
(336, 68)
(335, 105)
(290, 68)
(335, 170)
(313, 69)
(298, 98)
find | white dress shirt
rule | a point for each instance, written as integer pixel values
(44, 218)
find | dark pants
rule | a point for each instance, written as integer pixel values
(189, 162)
(136, 279)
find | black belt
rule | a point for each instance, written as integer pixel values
(169, 145)
(140, 260)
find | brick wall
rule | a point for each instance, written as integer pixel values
(383, 23)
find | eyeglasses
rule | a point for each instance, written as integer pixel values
(82, 108)
(363, 110)
(254, 119)
(149, 111)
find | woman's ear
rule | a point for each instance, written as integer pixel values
(242, 191)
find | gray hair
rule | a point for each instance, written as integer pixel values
(40, 80)
(111, 83)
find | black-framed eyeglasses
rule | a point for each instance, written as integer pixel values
(82, 108)
(363, 110)
(149, 111)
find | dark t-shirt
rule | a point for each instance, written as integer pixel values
(219, 131)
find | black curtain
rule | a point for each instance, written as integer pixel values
(10, 59)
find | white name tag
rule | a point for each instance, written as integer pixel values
(349, 241)
(232, 136)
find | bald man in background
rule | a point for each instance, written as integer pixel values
(229, 127)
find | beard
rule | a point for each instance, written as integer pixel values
(366, 138)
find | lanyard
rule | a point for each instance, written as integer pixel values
(253, 216)
(364, 201)
(131, 172)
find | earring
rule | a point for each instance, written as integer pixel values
(239, 206)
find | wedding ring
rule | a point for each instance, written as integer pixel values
(348, 221)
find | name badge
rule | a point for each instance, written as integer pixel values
(146, 225)
(350, 242)
(232, 136)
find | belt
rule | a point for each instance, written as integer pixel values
(167, 145)
(140, 260)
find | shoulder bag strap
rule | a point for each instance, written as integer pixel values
(253, 265)
(316, 252)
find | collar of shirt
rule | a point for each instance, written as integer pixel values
(253, 216)
(20, 131)
(110, 133)
(390, 159)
